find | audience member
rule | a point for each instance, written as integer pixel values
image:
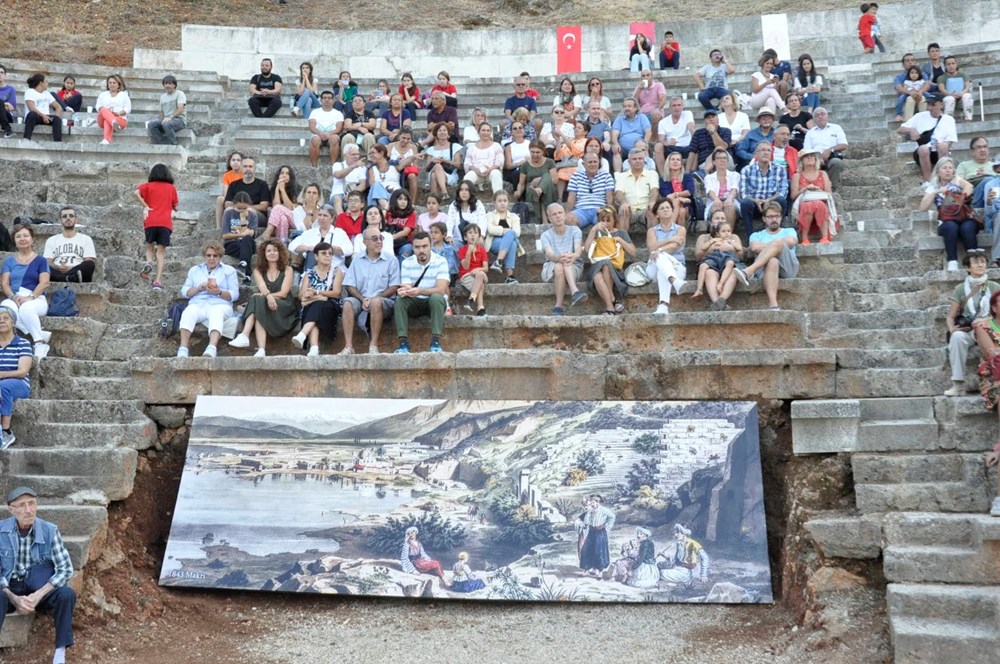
(24, 278)
(774, 248)
(113, 106)
(764, 86)
(432, 215)
(503, 230)
(562, 246)
(438, 233)
(265, 91)
(762, 183)
(240, 225)
(323, 231)
(272, 310)
(401, 220)
(651, 96)
(978, 171)
(477, 117)
(173, 114)
(607, 245)
(954, 87)
(934, 133)
(306, 98)
(733, 119)
(600, 128)
(352, 221)
(530, 91)
(934, 68)
(629, 127)
(371, 284)
(359, 125)
(783, 153)
(159, 200)
(830, 141)
(410, 94)
(374, 217)
(640, 55)
(404, 156)
(711, 79)
(210, 288)
(472, 273)
(911, 86)
(588, 191)
(865, 25)
(15, 363)
(677, 186)
(636, 191)
(235, 172)
(68, 96)
(949, 194)
(326, 124)
(520, 99)
(35, 568)
(378, 100)
(8, 104)
(782, 70)
(567, 99)
(442, 159)
(722, 189)
(520, 116)
(667, 265)
(764, 131)
(675, 131)
(284, 199)
(719, 253)
(705, 141)
(536, 185)
(423, 289)
(484, 160)
(319, 294)
(799, 122)
(516, 151)
(441, 113)
(41, 108)
(71, 255)
(349, 175)
(393, 120)
(344, 92)
(970, 302)
(465, 209)
(447, 88)
(595, 94)
(810, 191)
(670, 52)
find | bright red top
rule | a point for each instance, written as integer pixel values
(447, 89)
(479, 259)
(162, 198)
(349, 224)
(396, 224)
(865, 24)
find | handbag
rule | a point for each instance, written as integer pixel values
(954, 207)
(635, 275)
(606, 247)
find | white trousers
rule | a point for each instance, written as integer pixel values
(29, 315)
(662, 270)
(212, 315)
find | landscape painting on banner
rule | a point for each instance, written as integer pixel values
(610, 501)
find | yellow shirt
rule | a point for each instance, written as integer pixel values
(637, 190)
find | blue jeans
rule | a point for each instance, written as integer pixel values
(674, 62)
(307, 102)
(165, 132)
(979, 191)
(951, 231)
(900, 100)
(508, 242)
(404, 251)
(60, 602)
(12, 389)
(639, 62)
(708, 94)
(810, 100)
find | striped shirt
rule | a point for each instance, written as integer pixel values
(12, 353)
(591, 194)
(437, 269)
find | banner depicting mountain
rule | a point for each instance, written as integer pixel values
(222, 427)
(421, 420)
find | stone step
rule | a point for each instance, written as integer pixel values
(20, 149)
(965, 423)
(68, 423)
(59, 472)
(891, 381)
(942, 548)
(939, 623)
(919, 482)
(847, 536)
(875, 410)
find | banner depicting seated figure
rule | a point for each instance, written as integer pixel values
(611, 501)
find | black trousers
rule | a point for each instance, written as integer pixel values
(34, 119)
(82, 273)
(243, 249)
(264, 107)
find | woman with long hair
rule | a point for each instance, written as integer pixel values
(677, 186)
(284, 199)
(807, 82)
(536, 184)
(113, 106)
(465, 209)
(567, 99)
(319, 294)
(272, 310)
(763, 86)
(442, 159)
(306, 92)
(946, 192)
(639, 56)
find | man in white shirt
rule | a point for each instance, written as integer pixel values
(326, 125)
(323, 231)
(71, 255)
(942, 133)
(40, 107)
(675, 131)
(424, 281)
(830, 141)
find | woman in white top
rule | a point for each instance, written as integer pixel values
(471, 132)
(567, 99)
(515, 153)
(403, 155)
(559, 126)
(348, 175)
(465, 209)
(484, 159)
(733, 119)
(383, 178)
(595, 92)
(722, 188)
(763, 85)
(374, 216)
(442, 159)
(113, 105)
(40, 107)
(807, 82)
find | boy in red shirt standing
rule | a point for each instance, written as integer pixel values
(159, 198)
(472, 273)
(865, 23)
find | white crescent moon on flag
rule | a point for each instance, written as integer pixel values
(569, 36)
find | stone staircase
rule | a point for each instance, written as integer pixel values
(858, 347)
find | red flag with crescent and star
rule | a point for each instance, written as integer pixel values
(568, 39)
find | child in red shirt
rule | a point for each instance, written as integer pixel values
(445, 86)
(472, 274)
(400, 220)
(865, 24)
(670, 52)
(352, 221)
(159, 198)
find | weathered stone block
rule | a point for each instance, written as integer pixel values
(847, 536)
(825, 425)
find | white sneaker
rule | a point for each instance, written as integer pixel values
(347, 351)
(299, 340)
(260, 353)
(210, 351)
(296, 111)
(182, 352)
(995, 508)
(313, 351)
(678, 285)
(742, 276)
(6, 439)
(956, 390)
(240, 341)
(105, 142)
(373, 350)
(41, 350)
(952, 266)
(45, 336)
(662, 309)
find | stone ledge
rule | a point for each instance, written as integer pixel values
(821, 426)
(847, 536)
(942, 548)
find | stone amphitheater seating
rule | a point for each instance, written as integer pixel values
(858, 348)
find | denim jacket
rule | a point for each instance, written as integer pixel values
(46, 548)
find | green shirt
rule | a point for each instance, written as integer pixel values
(958, 295)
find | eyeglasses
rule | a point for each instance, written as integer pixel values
(516, 127)
(68, 215)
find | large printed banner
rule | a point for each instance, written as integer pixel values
(489, 500)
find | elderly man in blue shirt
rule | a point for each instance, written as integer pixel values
(34, 568)
(211, 288)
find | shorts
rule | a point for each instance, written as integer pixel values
(411, 170)
(361, 317)
(158, 235)
(549, 270)
(867, 42)
(468, 281)
(716, 260)
(587, 217)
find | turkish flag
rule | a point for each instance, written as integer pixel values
(568, 40)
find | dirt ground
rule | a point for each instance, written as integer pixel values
(106, 31)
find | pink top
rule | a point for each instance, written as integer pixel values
(425, 220)
(649, 98)
(476, 158)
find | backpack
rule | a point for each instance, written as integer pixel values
(63, 303)
(6, 241)
(172, 322)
